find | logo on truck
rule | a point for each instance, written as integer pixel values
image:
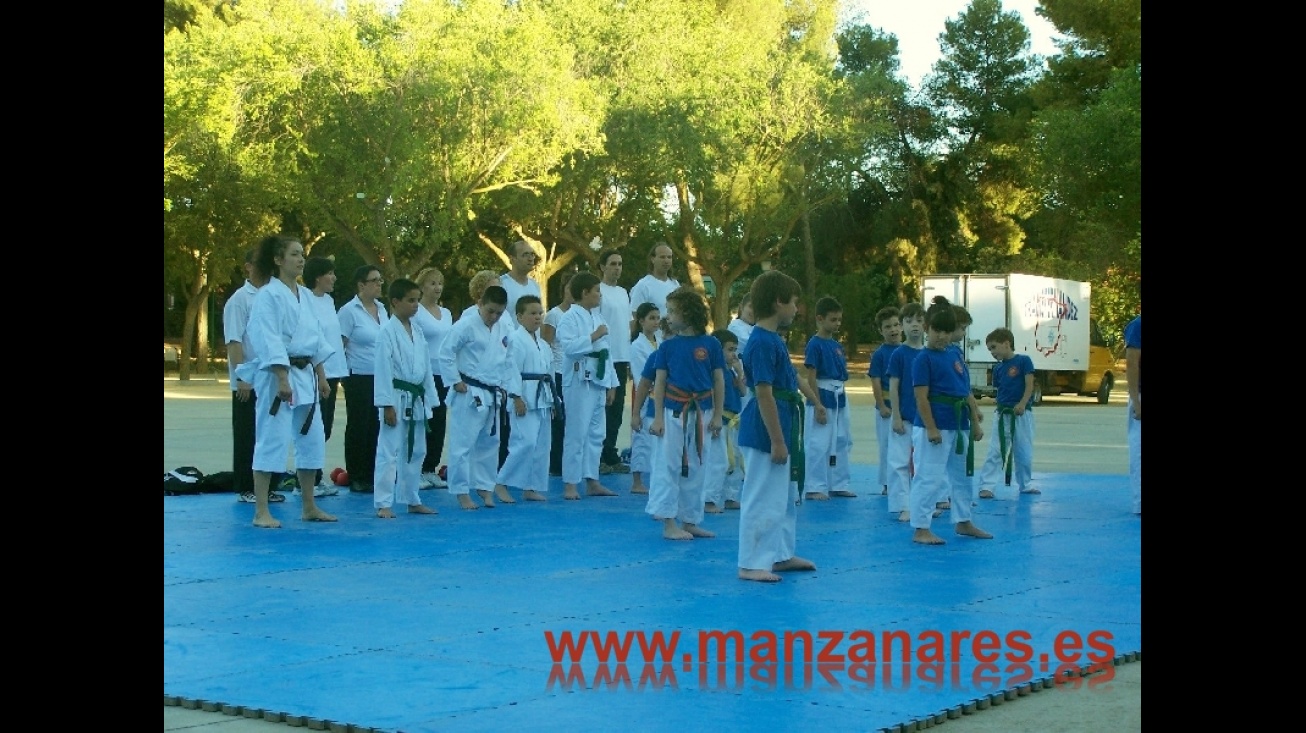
(1050, 307)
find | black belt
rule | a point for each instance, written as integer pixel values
(545, 384)
(301, 362)
(497, 402)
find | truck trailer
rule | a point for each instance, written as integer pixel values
(1050, 320)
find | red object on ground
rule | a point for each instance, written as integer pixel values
(340, 476)
(444, 473)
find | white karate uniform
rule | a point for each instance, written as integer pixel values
(402, 356)
(649, 289)
(481, 353)
(768, 516)
(1022, 447)
(724, 472)
(831, 440)
(584, 392)
(282, 324)
(671, 492)
(900, 460)
(939, 469)
(642, 443)
(527, 465)
(515, 291)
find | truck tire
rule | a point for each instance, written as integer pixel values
(1104, 390)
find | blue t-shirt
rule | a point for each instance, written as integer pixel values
(944, 372)
(651, 374)
(690, 362)
(880, 368)
(766, 361)
(1009, 378)
(1134, 340)
(827, 358)
(900, 367)
(733, 402)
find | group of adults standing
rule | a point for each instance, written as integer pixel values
(288, 346)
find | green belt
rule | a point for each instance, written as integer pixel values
(797, 456)
(1006, 441)
(602, 356)
(963, 445)
(418, 394)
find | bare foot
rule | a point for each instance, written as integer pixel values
(711, 507)
(793, 563)
(968, 529)
(421, 509)
(639, 489)
(316, 515)
(986, 493)
(760, 576)
(926, 537)
(1027, 490)
(465, 501)
(732, 504)
(698, 531)
(817, 496)
(501, 492)
(844, 494)
(266, 521)
(487, 497)
(594, 488)
(672, 532)
(533, 495)
(384, 513)
(904, 516)
(569, 493)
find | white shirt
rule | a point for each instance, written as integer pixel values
(577, 325)
(356, 324)
(615, 307)
(472, 349)
(649, 289)
(325, 308)
(400, 355)
(516, 291)
(742, 331)
(435, 329)
(235, 325)
(552, 319)
(282, 324)
(529, 354)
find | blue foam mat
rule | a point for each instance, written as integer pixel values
(432, 622)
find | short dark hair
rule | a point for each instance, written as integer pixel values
(496, 295)
(580, 282)
(1001, 336)
(606, 255)
(725, 336)
(692, 307)
(772, 287)
(399, 289)
(941, 315)
(885, 313)
(912, 310)
(317, 267)
(524, 301)
(963, 316)
(362, 271)
(827, 305)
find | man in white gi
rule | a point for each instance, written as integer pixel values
(614, 307)
(588, 383)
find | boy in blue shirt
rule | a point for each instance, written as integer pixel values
(829, 430)
(891, 330)
(902, 400)
(1013, 448)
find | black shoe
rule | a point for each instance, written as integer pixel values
(360, 488)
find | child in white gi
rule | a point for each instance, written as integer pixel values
(829, 429)
(1013, 448)
(530, 392)
(474, 360)
(649, 321)
(902, 400)
(689, 381)
(768, 433)
(725, 469)
(588, 385)
(891, 330)
(404, 394)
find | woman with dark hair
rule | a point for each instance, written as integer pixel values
(361, 320)
(320, 277)
(288, 378)
(436, 321)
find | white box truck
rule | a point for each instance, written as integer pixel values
(1049, 318)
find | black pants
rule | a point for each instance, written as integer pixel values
(328, 408)
(559, 423)
(362, 426)
(614, 412)
(435, 438)
(242, 443)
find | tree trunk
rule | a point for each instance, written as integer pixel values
(202, 365)
(809, 259)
